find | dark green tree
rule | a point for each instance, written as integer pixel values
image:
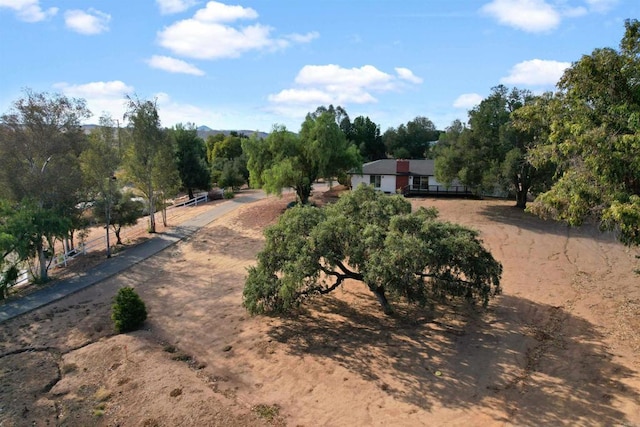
(595, 141)
(228, 162)
(365, 134)
(492, 152)
(411, 141)
(191, 155)
(375, 239)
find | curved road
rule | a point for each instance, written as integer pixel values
(123, 261)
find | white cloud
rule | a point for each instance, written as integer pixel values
(303, 38)
(172, 112)
(89, 23)
(407, 74)
(168, 7)
(174, 65)
(536, 72)
(29, 10)
(467, 100)
(601, 5)
(527, 15)
(331, 84)
(210, 35)
(100, 96)
(219, 12)
(541, 15)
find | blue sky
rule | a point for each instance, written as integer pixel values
(252, 64)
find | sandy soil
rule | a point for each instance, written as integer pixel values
(561, 346)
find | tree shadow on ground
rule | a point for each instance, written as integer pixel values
(516, 217)
(536, 364)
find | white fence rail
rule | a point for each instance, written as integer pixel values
(126, 234)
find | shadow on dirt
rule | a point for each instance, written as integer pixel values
(521, 358)
(516, 217)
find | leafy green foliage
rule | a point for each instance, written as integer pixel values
(412, 140)
(594, 138)
(365, 134)
(149, 157)
(40, 143)
(492, 153)
(373, 238)
(128, 311)
(285, 159)
(125, 211)
(191, 161)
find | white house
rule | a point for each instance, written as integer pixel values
(409, 177)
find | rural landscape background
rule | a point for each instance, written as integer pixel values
(310, 302)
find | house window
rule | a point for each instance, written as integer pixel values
(420, 182)
(375, 180)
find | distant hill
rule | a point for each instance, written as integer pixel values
(203, 131)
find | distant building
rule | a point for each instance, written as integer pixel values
(409, 177)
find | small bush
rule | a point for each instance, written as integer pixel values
(128, 311)
(229, 194)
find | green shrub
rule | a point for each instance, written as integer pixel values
(229, 194)
(128, 311)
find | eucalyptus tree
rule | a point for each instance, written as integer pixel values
(149, 154)
(40, 143)
(99, 163)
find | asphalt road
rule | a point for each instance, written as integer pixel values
(122, 261)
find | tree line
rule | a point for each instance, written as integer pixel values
(574, 151)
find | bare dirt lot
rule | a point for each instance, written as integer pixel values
(561, 346)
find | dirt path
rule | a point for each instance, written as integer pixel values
(560, 347)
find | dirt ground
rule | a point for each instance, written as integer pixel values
(561, 346)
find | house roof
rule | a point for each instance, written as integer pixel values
(422, 167)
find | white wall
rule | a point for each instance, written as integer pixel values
(387, 182)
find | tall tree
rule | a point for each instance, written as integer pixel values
(99, 163)
(413, 140)
(365, 134)
(40, 142)
(373, 238)
(147, 152)
(595, 138)
(285, 159)
(191, 155)
(492, 153)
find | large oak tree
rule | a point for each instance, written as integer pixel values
(373, 238)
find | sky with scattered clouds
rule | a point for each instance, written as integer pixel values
(252, 64)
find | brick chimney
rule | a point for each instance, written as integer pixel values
(402, 166)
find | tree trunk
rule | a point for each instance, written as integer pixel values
(42, 260)
(116, 231)
(304, 192)
(190, 190)
(521, 199)
(152, 211)
(382, 299)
